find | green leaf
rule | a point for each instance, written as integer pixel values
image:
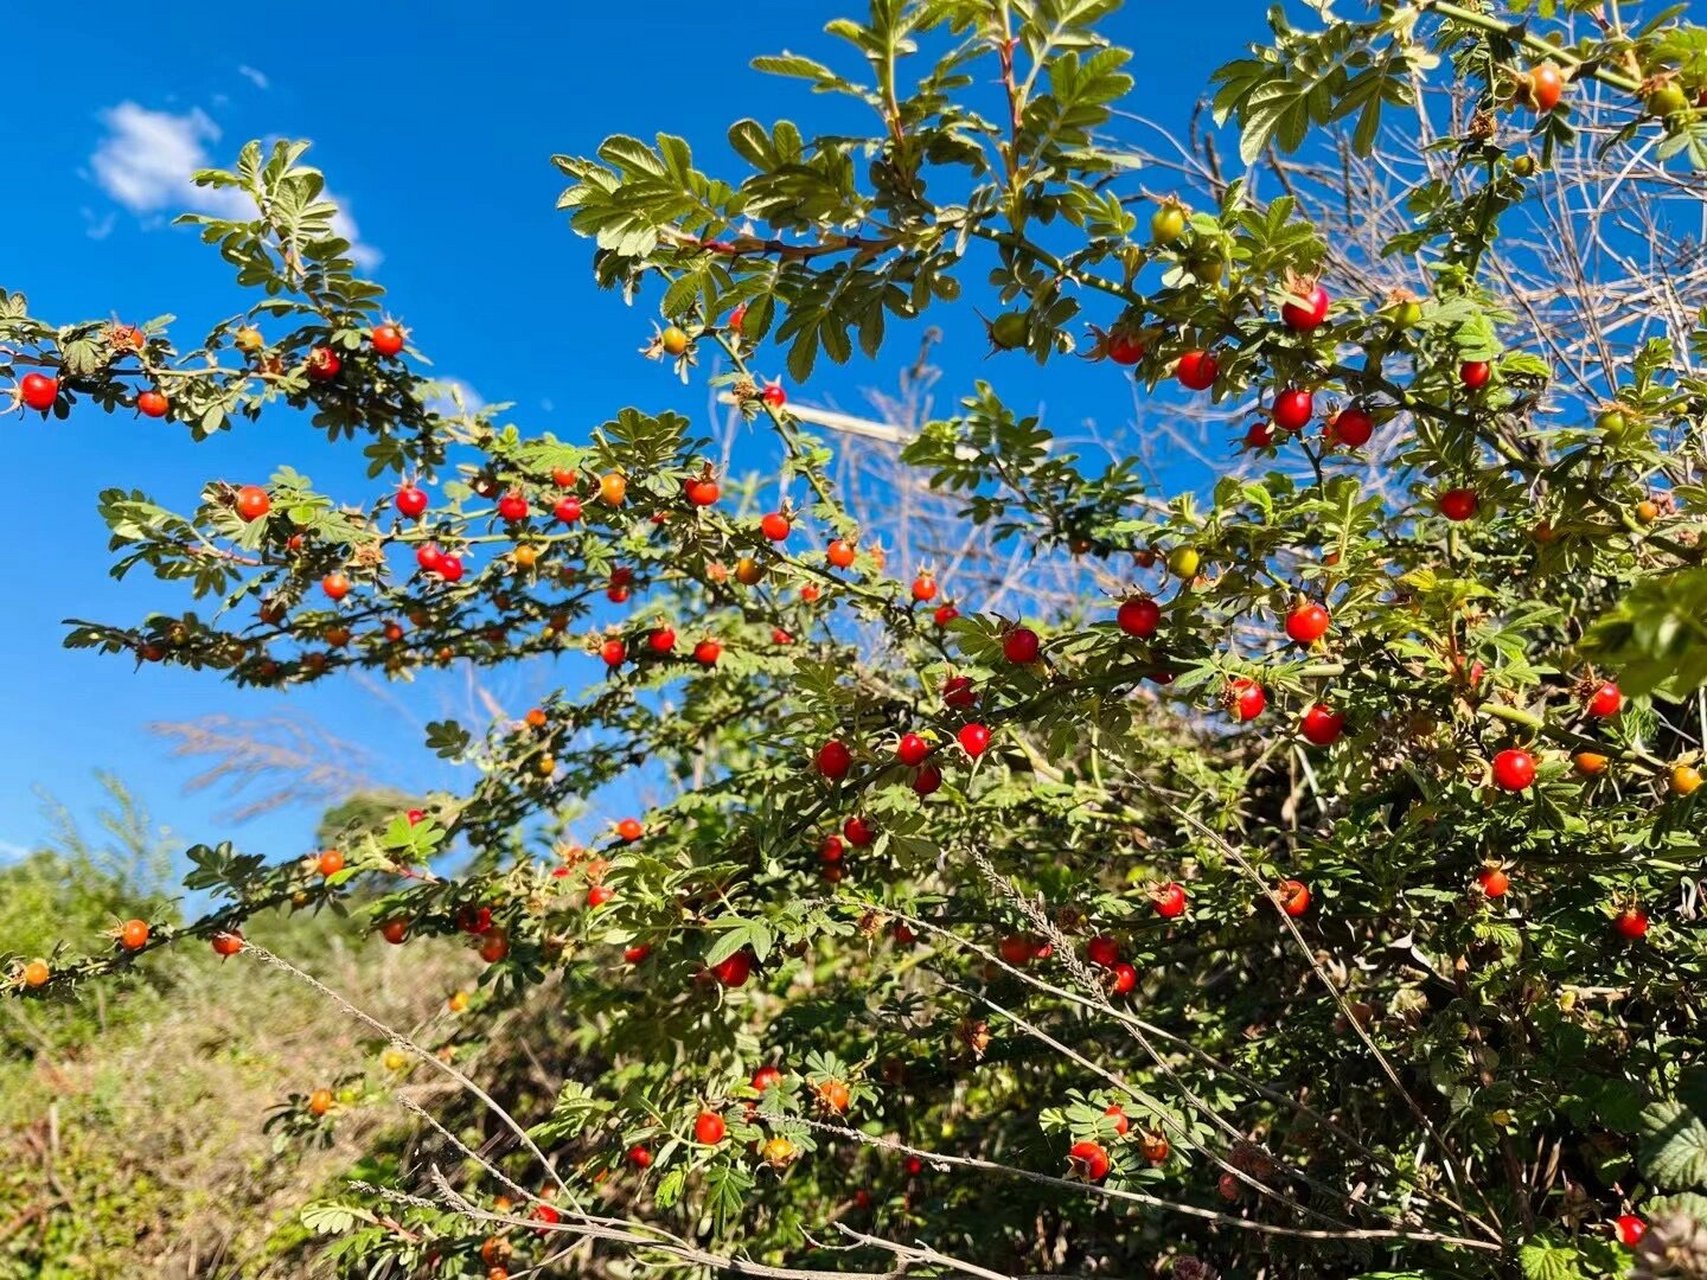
(1674, 1146)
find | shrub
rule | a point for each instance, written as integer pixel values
(1311, 890)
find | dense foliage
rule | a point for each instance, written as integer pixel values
(1324, 903)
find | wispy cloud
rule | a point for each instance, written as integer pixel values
(254, 77)
(147, 159)
(452, 389)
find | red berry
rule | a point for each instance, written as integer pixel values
(701, 490)
(1121, 1123)
(513, 506)
(974, 739)
(335, 585)
(568, 509)
(765, 1077)
(253, 503)
(663, 640)
(1122, 978)
(1306, 309)
(473, 919)
(1139, 617)
(38, 391)
(639, 1156)
(1514, 769)
(1631, 924)
(1103, 951)
(410, 501)
(1308, 622)
(708, 1128)
(1293, 409)
(1260, 434)
(738, 316)
(450, 568)
(429, 557)
(1542, 86)
(1020, 646)
(858, 832)
(958, 692)
(707, 652)
(630, 829)
(1351, 427)
(912, 749)
(1294, 897)
(1458, 504)
(780, 636)
(924, 588)
(927, 780)
(775, 526)
(833, 760)
(1017, 950)
(831, 850)
(1089, 1161)
(1631, 1229)
(774, 395)
(152, 404)
(1169, 901)
(1322, 725)
(734, 970)
(1245, 698)
(387, 339)
(1493, 882)
(840, 553)
(226, 943)
(323, 364)
(1197, 370)
(1124, 348)
(1606, 701)
(1474, 374)
(945, 614)
(636, 953)
(613, 651)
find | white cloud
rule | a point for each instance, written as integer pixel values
(98, 228)
(147, 160)
(254, 77)
(445, 402)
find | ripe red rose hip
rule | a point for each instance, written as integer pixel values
(775, 526)
(1306, 308)
(323, 364)
(1260, 434)
(1169, 901)
(927, 780)
(912, 749)
(1605, 702)
(707, 652)
(1245, 698)
(1474, 374)
(959, 692)
(833, 760)
(1102, 951)
(974, 739)
(1122, 977)
(1294, 897)
(735, 970)
(410, 501)
(774, 395)
(1322, 725)
(1140, 617)
(1514, 769)
(567, 510)
(1630, 1230)
(1631, 924)
(1124, 348)
(1293, 409)
(152, 404)
(858, 832)
(1308, 622)
(38, 390)
(1021, 646)
(1089, 1161)
(708, 1128)
(1458, 504)
(945, 614)
(1351, 428)
(924, 588)
(252, 503)
(1493, 881)
(513, 507)
(1197, 370)
(387, 339)
(662, 641)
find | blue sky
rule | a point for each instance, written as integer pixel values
(435, 127)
